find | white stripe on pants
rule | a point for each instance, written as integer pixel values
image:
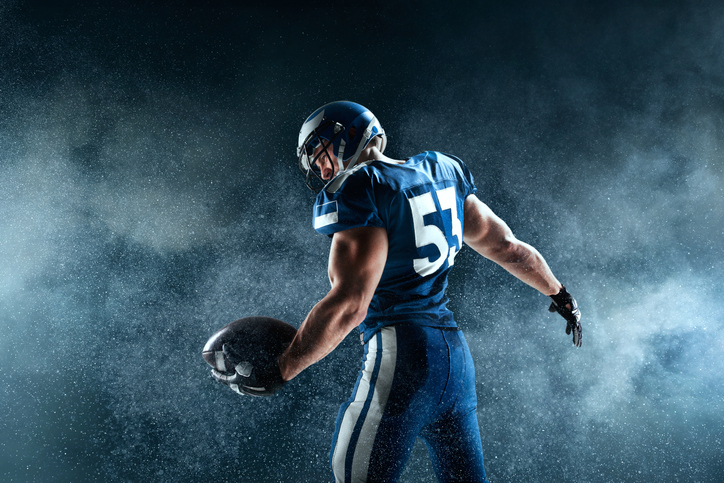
(364, 437)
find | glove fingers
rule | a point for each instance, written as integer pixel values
(231, 354)
(248, 379)
(225, 378)
(577, 335)
(244, 391)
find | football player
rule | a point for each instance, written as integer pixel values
(396, 227)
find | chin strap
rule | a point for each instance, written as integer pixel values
(367, 136)
(340, 156)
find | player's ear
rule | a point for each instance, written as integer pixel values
(376, 142)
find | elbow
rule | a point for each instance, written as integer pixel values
(355, 313)
(508, 247)
(505, 250)
(350, 308)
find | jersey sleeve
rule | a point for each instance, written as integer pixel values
(467, 182)
(353, 205)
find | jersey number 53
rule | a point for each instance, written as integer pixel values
(432, 234)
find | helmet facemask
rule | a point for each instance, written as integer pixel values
(308, 159)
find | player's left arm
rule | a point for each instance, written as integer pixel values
(356, 261)
(492, 238)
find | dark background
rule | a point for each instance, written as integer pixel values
(149, 194)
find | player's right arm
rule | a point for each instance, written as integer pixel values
(356, 261)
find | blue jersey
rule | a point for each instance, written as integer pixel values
(420, 204)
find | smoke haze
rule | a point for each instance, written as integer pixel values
(149, 195)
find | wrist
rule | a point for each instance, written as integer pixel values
(555, 291)
(562, 297)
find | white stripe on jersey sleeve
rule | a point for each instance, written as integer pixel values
(330, 217)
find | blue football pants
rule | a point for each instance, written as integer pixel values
(415, 381)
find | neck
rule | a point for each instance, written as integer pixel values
(372, 153)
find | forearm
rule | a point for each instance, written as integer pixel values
(527, 264)
(326, 325)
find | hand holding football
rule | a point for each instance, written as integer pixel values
(244, 353)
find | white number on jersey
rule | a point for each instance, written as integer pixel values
(425, 235)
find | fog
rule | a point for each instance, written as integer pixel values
(149, 195)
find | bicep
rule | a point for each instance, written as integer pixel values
(484, 231)
(356, 261)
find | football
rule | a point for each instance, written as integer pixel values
(260, 340)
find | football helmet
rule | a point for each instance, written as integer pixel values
(347, 126)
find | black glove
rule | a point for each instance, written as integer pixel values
(572, 315)
(247, 378)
